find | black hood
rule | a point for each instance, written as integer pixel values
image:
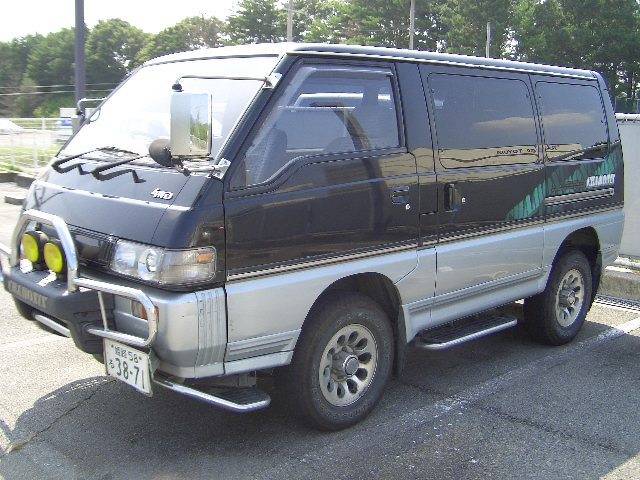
(124, 206)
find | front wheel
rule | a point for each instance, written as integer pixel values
(342, 362)
(556, 315)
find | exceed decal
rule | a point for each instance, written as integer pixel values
(27, 295)
(601, 180)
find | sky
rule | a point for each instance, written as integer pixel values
(24, 17)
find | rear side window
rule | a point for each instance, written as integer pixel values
(573, 121)
(483, 121)
(323, 110)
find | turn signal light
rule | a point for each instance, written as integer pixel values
(54, 256)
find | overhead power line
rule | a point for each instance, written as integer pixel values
(15, 94)
(62, 85)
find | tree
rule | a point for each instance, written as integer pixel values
(112, 47)
(13, 62)
(378, 22)
(51, 60)
(319, 20)
(257, 21)
(189, 34)
(466, 26)
(598, 35)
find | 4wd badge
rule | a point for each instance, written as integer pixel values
(157, 193)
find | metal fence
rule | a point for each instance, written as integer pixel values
(29, 143)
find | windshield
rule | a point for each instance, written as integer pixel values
(138, 112)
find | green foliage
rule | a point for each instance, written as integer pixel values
(386, 23)
(466, 25)
(111, 49)
(13, 63)
(189, 34)
(51, 104)
(51, 60)
(320, 21)
(603, 35)
(257, 21)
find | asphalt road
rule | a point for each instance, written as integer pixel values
(501, 407)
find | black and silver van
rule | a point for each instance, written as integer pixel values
(312, 211)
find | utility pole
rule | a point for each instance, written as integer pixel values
(80, 72)
(488, 47)
(290, 21)
(412, 23)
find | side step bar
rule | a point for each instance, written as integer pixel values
(462, 331)
(52, 324)
(234, 400)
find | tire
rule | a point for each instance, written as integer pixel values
(556, 315)
(341, 363)
(27, 312)
(23, 309)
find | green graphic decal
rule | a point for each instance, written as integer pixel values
(559, 184)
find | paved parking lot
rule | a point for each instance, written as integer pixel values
(501, 407)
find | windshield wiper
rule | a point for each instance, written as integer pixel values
(57, 164)
(97, 172)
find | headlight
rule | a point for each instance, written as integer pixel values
(165, 267)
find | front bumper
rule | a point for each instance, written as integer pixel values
(186, 331)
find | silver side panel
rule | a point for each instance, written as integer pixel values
(608, 226)
(253, 347)
(260, 307)
(212, 326)
(258, 363)
(191, 337)
(504, 283)
(483, 297)
(417, 289)
(488, 258)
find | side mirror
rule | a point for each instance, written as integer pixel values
(190, 124)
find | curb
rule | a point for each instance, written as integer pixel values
(23, 180)
(7, 177)
(14, 199)
(620, 282)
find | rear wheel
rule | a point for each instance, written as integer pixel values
(342, 362)
(556, 315)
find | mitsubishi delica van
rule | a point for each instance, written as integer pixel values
(314, 213)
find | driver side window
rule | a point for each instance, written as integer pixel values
(322, 110)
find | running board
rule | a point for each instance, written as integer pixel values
(238, 400)
(52, 324)
(462, 331)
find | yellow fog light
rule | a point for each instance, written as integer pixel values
(31, 244)
(54, 256)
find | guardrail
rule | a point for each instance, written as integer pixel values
(30, 143)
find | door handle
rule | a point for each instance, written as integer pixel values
(452, 198)
(400, 196)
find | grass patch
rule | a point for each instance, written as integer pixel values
(23, 157)
(7, 167)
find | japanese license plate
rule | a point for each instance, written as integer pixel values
(128, 365)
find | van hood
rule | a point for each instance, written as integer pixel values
(122, 205)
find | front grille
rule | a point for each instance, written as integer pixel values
(94, 248)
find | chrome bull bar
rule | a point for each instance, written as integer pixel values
(74, 282)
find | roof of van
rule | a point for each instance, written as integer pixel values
(277, 49)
